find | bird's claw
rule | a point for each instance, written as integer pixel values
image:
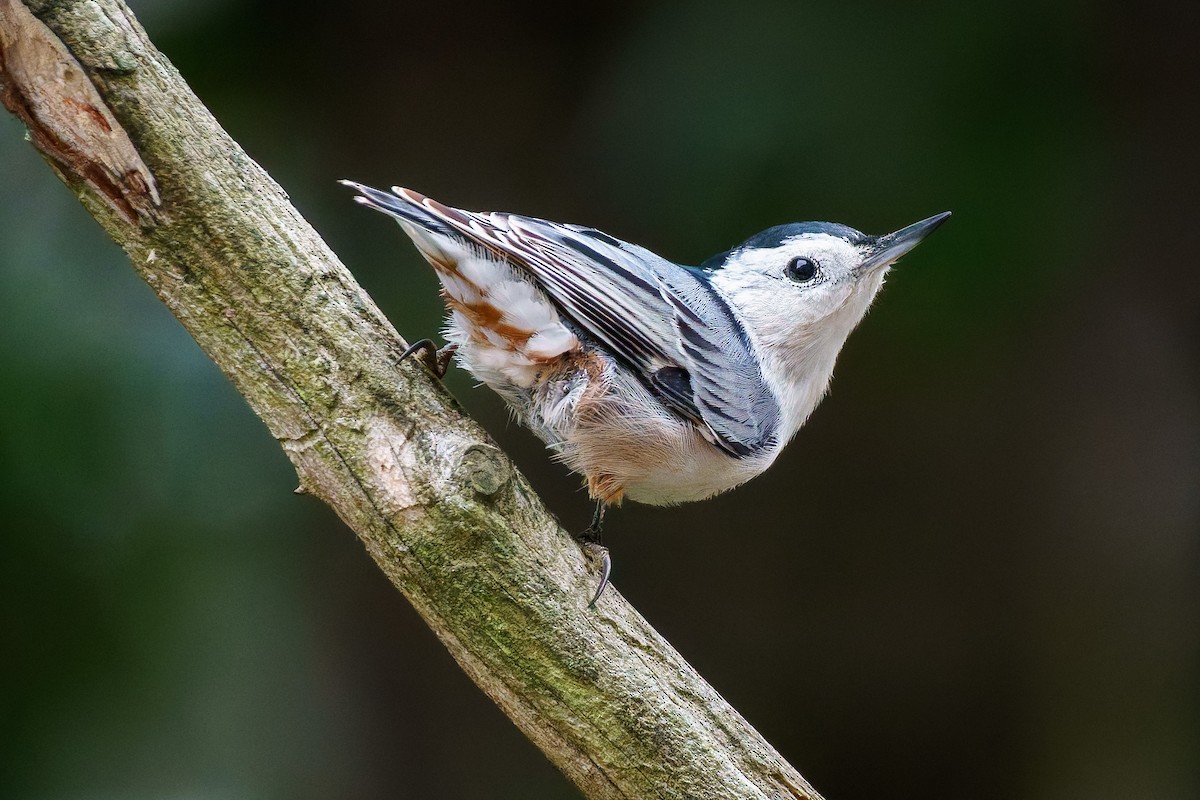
(597, 550)
(437, 360)
(590, 540)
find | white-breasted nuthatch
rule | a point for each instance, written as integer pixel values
(657, 382)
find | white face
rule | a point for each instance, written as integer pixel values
(805, 279)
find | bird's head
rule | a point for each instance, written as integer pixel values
(800, 289)
(796, 276)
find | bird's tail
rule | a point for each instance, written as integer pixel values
(436, 240)
(403, 204)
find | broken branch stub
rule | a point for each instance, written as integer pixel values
(44, 85)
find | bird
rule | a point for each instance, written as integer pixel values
(659, 383)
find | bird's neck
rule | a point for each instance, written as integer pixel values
(802, 375)
(803, 369)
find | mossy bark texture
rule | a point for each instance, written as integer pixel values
(438, 506)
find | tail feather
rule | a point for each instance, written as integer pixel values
(430, 234)
(405, 207)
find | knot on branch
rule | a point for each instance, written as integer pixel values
(484, 469)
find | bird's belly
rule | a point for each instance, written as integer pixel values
(607, 427)
(704, 472)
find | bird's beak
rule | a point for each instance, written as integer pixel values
(882, 251)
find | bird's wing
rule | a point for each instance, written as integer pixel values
(664, 322)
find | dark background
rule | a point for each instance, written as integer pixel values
(973, 575)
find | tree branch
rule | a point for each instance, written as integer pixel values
(438, 506)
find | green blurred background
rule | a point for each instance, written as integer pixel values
(975, 574)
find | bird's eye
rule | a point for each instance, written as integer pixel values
(801, 269)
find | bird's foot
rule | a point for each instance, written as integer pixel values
(589, 540)
(437, 360)
(599, 551)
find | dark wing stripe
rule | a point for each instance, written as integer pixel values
(594, 234)
(693, 335)
(626, 275)
(609, 327)
(682, 309)
(613, 325)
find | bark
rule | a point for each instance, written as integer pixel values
(438, 506)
